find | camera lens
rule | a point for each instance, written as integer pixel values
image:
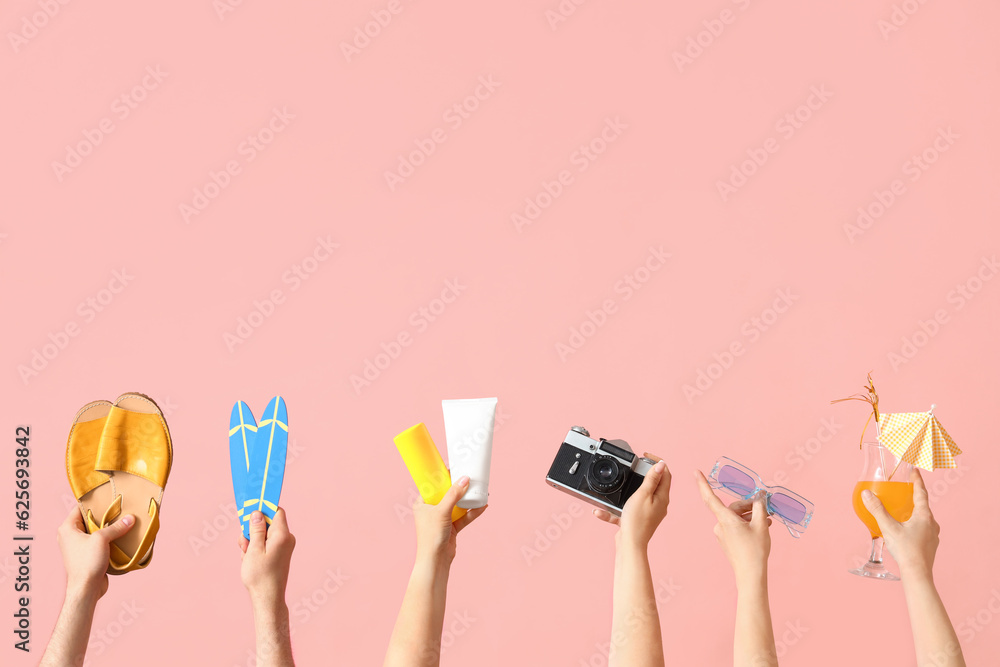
(605, 475)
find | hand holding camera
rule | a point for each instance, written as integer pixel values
(628, 490)
(644, 511)
(604, 473)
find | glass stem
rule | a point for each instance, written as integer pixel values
(876, 557)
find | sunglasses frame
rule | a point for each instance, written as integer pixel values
(794, 529)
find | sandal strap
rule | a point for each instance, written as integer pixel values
(121, 561)
(92, 525)
(117, 555)
(81, 451)
(137, 443)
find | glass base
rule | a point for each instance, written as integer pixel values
(874, 570)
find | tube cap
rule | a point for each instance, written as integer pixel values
(475, 496)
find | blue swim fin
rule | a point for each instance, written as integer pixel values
(242, 429)
(267, 464)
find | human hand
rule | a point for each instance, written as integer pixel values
(436, 533)
(266, 558)
(86, 556)
(742, 530)
(644, 511)
(914, 542)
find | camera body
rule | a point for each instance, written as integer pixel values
(605, 473)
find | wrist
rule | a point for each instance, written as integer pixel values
(269, 608)
(433, 559)
(267, 599)
(916, 572)
(629, 546)
(751, 578)
(84, 592)
(432, 573)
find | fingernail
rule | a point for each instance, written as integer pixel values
(128, 519)
(463, 480)
(867, 495)
(660, 465)
(256, 517)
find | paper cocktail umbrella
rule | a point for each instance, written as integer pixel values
(915, 437)
(918, 438)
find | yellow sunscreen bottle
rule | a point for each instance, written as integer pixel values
(426, 466)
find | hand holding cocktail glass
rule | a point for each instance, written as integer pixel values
(883, 475)
(905, 440)
(913, 541)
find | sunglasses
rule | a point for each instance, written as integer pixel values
(788, 507)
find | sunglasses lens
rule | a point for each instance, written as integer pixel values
(736, 480)
(788, 508)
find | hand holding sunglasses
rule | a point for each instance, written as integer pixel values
(743, 531)
(786, 506)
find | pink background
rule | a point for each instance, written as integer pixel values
(654, 185)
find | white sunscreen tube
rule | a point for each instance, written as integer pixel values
(468, 427)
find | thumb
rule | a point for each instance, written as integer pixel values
(258, 532)
(758, 519)
(112, 532)
(878, 510)
(453, 495)
(653, 478)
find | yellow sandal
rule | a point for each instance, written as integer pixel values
(91, 488)
(136, 452)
